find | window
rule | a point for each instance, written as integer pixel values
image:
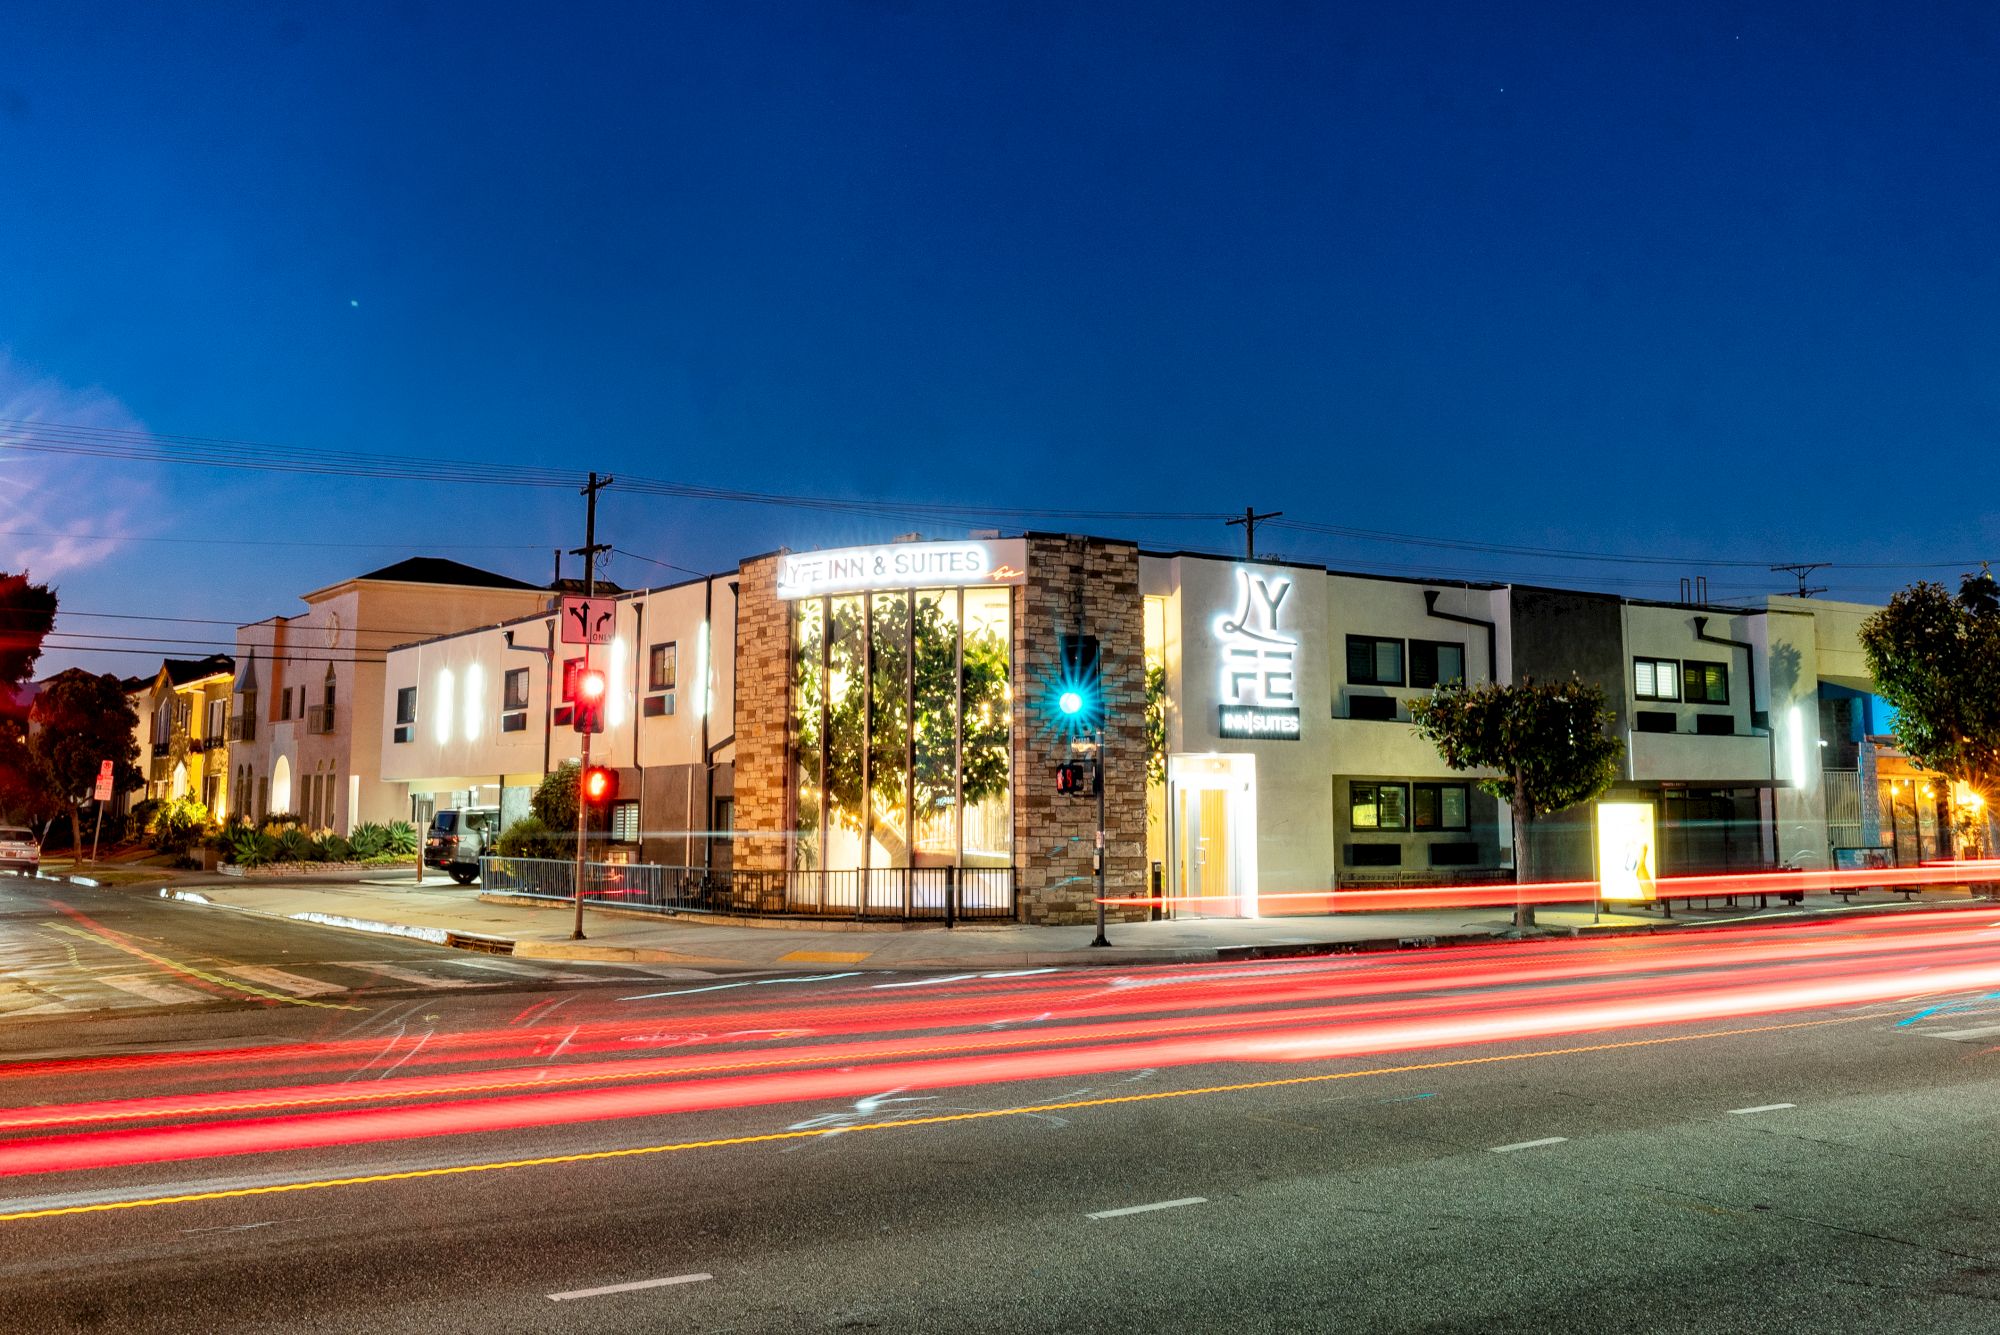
(1436, 663)
(406, 715)
(1705, 683)
(1374, 855)
(514, 689)
(1373, 662)
(1656, 678)
(1440, 806)
(1377, 707)
(1715, 725)
(513, 723)
(218, 720)
(1655, 720)
(663, 666)
(1378, 806)
(1454, 855)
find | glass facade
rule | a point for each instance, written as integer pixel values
(902, 713)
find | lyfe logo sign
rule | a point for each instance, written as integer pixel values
(1259, 663)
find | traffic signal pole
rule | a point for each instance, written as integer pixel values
(1102, 939)
(588, 552)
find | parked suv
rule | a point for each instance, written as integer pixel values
(456, 839)
(19, 850)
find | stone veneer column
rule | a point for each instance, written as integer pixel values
(763, 717)
(1054, 836)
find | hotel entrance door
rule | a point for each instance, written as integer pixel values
(1212, 812)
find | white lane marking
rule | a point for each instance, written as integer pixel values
(1762, 1107)
(684, 991)
(284, 982)
(1142, 1209)
(628, 1288)
(1529, 1144)
(1018, 973)
(1965, 1035)
(152, 989)
(409, 975)
(925, 982)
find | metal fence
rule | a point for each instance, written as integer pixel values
(940, 894)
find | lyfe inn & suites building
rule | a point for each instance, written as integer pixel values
(875, 722)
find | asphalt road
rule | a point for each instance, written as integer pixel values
(1768, 1130)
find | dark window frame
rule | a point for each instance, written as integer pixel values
(1437, 791)
(1374, 790)
(1699, 670)
(663, 666)
(406, 704)
(509, 701)
(1656, 664)
(1421, 666)
(1374, 677)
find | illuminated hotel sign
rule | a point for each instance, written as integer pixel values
(1259, 663)
(902, 565)
(1625, 851)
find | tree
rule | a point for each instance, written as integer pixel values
(554, 802)
(1936, 658)
(1549, 743)
(27, 613)
(77, 722)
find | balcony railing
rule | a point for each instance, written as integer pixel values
(319, 718)
(242, 727)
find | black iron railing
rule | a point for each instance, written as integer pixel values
(890, 894)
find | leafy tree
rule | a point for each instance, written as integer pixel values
(528, 837)
(27, 613)
(78, 721)
(1549, 743)
(1156, 725)
(554, 802)
(1936, 658)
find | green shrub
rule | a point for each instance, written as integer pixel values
(369, 840)
(178, 825)
(249, 847)
(554, 801)
(528, 837)
(335, 848)
(402, 838)
(140, 818)
(292, 845)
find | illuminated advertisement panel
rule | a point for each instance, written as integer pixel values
(1627, 860)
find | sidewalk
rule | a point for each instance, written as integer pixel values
(445, 913)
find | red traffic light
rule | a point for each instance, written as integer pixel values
(590, 685)
(600, 785)
(587, 714)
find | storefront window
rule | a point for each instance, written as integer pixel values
(934, 748)
(902, 754)
(808, 705)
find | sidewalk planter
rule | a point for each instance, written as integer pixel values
(280, 870)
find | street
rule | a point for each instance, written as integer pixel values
(1748, 1128)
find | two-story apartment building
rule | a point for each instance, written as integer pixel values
(307, 697)
(477, 718)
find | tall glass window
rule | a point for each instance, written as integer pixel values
(903, 715)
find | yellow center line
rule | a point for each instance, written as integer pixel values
(192, 972)
(769, 1137)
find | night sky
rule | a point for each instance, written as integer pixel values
(1706, 286)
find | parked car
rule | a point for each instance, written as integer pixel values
(19, 850)
(456, 839)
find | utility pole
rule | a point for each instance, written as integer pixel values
(1799, 571)
(591, 547)
(1249, 522)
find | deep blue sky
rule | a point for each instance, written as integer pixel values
(1718, 283)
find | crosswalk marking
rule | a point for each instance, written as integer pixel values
(153, 989)
(406, 975)
(284, 982)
